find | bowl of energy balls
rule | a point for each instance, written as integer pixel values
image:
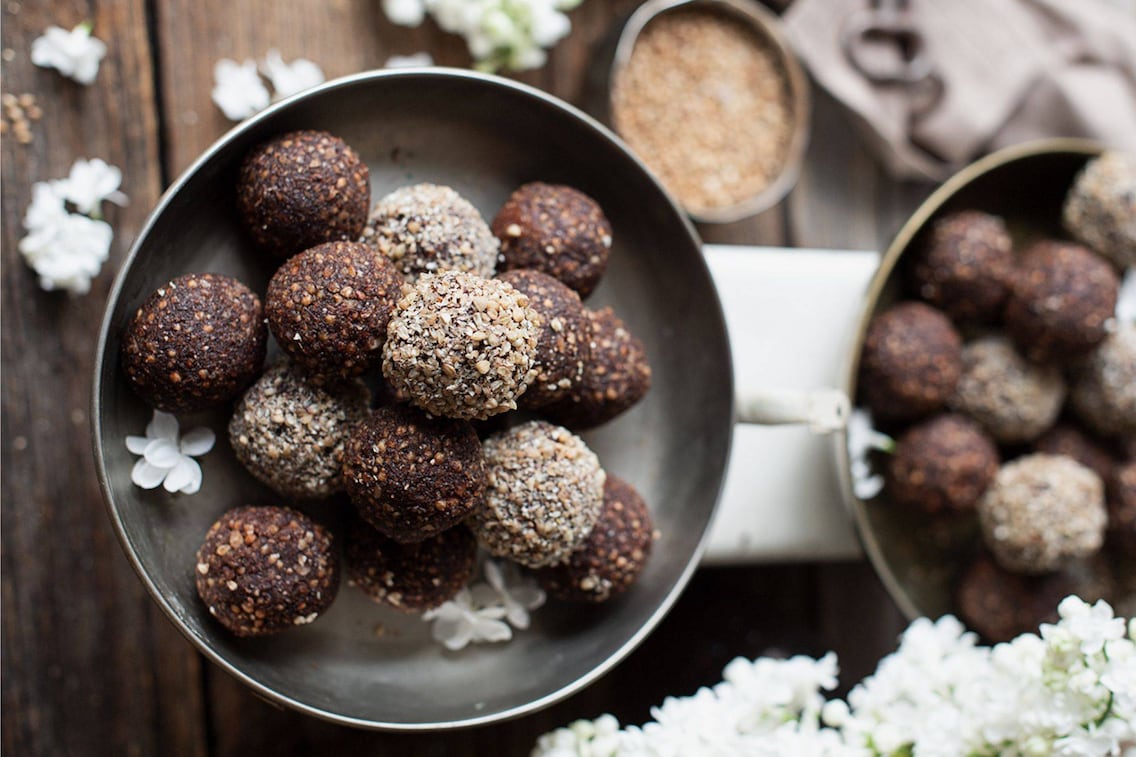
(425, 445)
(995, 355)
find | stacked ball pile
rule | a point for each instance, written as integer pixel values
(1011, 388)
(401, 301)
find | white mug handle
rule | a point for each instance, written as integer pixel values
(824, 411)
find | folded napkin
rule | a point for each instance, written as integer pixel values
(1001, 72)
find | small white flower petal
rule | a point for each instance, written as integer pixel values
(75, 54)
(90, 182)
(289, 78)
(491, 630)
(163, 426)
(146, 475)
(238, 90)
(454, 633)
(405, 12)
(186, 473)
(483, 595)
(137, 444)
(198, 441)
(162, 453)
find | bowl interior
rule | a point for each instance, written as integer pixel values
(361, 664)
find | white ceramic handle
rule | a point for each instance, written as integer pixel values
(822, 410)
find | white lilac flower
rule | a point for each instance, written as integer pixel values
(90, 183)
(405, 12)
(460, 622)
(75, 54)
(238, 90)
(289, 78)
(409, 61)
(47, 207)
(1126, 301)
(514, 592)
(862, 440)
(67, 252)
(167, 458)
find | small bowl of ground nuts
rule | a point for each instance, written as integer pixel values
(709, 95)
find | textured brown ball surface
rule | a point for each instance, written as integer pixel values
(1122, 507)
(1001, 605)
(1060, 300)
(329, 306)
(1100, 209)
(911, 362)
(610, 560)
(1066, 439)
(555, 229)
(195, 343)
(409, 577)
(965, 265)
(564, 346)
(616, 377)
(301, 189)
(412, 476)
(1104, 392)
(264, 569)
(942, 464)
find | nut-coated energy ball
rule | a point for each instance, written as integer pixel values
(1100, 209)
(1104, 392)
(964, 267)
(942, 465)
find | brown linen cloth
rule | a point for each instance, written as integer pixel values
(1010, 71)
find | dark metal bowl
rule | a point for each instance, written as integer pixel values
(484, 136)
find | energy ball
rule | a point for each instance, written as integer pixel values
(564, 345)
(409, 577)
(911, 361)
(615, 378)
(544, 496)
(1041, 512)
(1066, 439)
(461, 346)
(290, 434)
(1104, 391)
(1122, 506)
(964, 267)
(329, 306)
(429, 228)
(1100, 209)
(195, 343)
(265, 569)
(555, 229)
(412, 476)
(1013, 399)
(1002, 605)
(610, 560)
(1060, 299)
(301, 189)
(942, 465)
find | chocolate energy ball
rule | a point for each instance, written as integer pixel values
(1066, 439)
(1013, 399)
(615, 378)
(1122, 507)
(409, 577)
(1002, 605)
(461, 346)
(329, 306)
(965, 266)
(1104, 392)
(555, 229)
(910, 363)
(412, 476)
(1060, 299)
(262, 570)
(428, 228)
(195, 343)
(1100, 209)
(942, 464)
(301, 189)
(610, 560)
(1041, 512)
(564, 345)
(290, 434)
(544, 496)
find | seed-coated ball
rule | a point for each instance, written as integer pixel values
(329, 306)
(1100, 209)
(194, 343)
(545, 493)
(410, 475)
(265, 569)
(1002, 605)
(1104, 392)
(556, 229)
(1066, 439)
(409, 577)
(301, 189)
(290, 434)
(942, 464)
(964, 266)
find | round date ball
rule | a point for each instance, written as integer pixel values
(1013, 399)
(564, 345)
(1041, 512)
(409, 577)
(1060, 300)
(1104, 392)
(610, 560)
(545, 493)
(942, 465)
(965, 265)
(1002, 605)
(265, 569)
(1066, 439)
(428, 228)
(555, 229)
(910, 363)
(195, 343)
(290, 434)
(1100, 209)
(461, 346)
(412, 476)
(301, 189)
(329, 306)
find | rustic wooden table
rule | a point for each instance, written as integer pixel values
(90, 665)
